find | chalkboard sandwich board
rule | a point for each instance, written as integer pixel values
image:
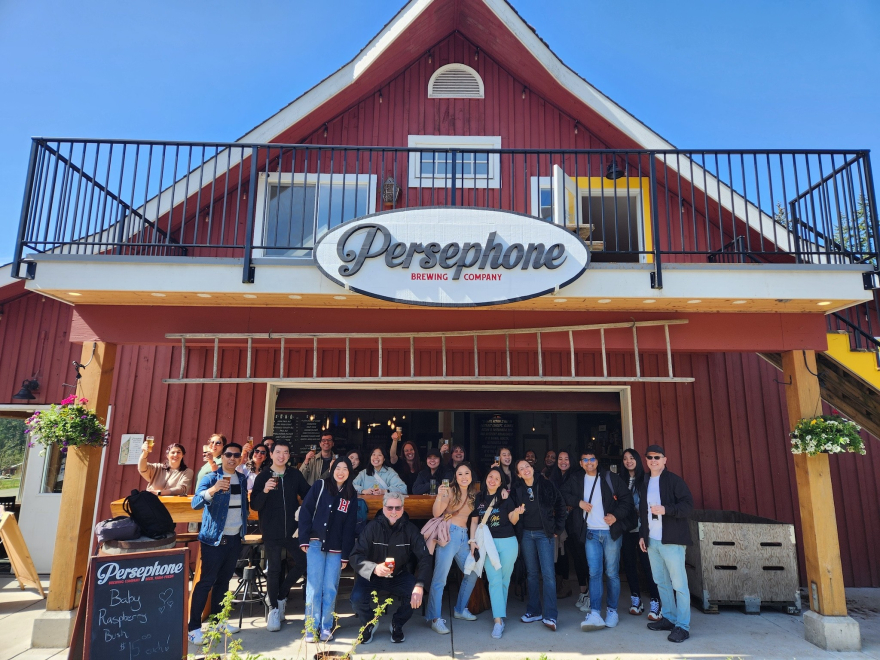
(136, 606)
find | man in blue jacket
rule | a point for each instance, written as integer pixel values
(664, 507)
(222, 496)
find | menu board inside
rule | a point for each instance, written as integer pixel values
(493, 433)
(297, 429)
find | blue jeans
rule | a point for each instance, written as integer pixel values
(457, 549)
(322, 583)
(537, 549)
(601, 549)
(499, 580)
(667, 565)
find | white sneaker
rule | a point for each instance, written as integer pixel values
(230, 628)
(326, 635)
(593, 622)
(498, 630)
(611, 618)
(583, 603)
(528, 617)
(273, 623)
(310, 637)
(439, 626)
(282, 607)
(466, 615)
(196, 636)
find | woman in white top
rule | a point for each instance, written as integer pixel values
(378, 478)
(254, 465)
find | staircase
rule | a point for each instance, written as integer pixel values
(849, 377)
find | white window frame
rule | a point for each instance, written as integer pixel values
(463, 143)
(261, 211)
(546, 182)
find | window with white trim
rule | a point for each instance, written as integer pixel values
(468, 157)
(296, 210)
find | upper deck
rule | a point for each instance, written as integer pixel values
(763, 230)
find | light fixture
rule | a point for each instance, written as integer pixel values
(327, 424)
(524, 93)
(325, 130)
(359, 422)
(73, 293)
(311, 418)
(369, 430)
(477, 54)
(740, 302)
(694, 302)
(824, 303)
(158, 295)
(403, 417)
(613, 172)
(394, 419)
(343, 420)
(575, 127)
(380, 96)
(604, 300)
(430, 57)
(203, 295)
(27, 389)
(294, 297)
(649, 301)
(390, 190)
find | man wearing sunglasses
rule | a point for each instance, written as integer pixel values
(606, 510)
(223, 499)
(664, 507)
(380, 558)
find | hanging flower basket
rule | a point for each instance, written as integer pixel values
(826, 434)
(68, 424)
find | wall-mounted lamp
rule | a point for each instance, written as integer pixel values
(325, 130)
(575, 127)
(390, 190)
(477, 54)
(380, 96)
(613, 172)
(27, 389)
(524, 93)
(430, 57)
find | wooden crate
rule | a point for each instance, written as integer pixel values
(739, 559)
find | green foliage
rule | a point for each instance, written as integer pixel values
(828, 434)
(12, 442)
(69, 424)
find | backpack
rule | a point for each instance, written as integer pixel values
(149, 513)
(363, 516)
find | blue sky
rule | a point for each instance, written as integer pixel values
(702, 73)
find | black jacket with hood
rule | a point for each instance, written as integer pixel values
(616, 500)
(277, 508)
(381, 539)
(676, 497)
(553, 511)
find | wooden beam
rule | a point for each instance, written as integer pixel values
(73, 537)
(815, 496)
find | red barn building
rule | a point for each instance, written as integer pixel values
(714, 284)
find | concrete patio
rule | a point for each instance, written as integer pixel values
(731, 633)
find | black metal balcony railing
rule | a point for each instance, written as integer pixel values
(104, 197)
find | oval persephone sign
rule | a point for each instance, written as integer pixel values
(451, 257)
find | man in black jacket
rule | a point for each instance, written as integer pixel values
(380, 558)
(275, 495)
(603, 509)
(664, 506)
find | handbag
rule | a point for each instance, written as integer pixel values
(436, 530)
(120, 528)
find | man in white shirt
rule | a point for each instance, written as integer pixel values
(608, 509)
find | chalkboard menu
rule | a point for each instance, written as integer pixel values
(295, 428)
(136, 606)
(493, 433)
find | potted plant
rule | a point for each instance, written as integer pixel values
(68, 424)
(826, 434)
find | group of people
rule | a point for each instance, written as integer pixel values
(564, 512)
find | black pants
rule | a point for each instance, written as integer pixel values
(632, 553)
(218, 566)
(274, 585)
(400, 585)
(577, 554)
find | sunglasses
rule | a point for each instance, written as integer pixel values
(531, 494)
(260, 451)
(654, 457)
(394, 508)
(589, 460)
(229, 454)
(215, 442)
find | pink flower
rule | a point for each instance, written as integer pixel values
(69, 400)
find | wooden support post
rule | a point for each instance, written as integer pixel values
(73, 538)
(818, 520)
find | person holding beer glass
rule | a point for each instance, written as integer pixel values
(316, 465)
(429, 479)
(258, 460)
(380, 559)
(327, 523)
(172, 477)
(455, 503)
(275, 496)
(378, 478)
(504, 460)
(407, 463)
(215, 446)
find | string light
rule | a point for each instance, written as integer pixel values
(343, 420)
(359, 422)
(325, 130)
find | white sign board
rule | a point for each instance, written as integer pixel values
(130, 448)
(451, 256)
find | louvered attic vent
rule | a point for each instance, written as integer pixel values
(455, 81)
